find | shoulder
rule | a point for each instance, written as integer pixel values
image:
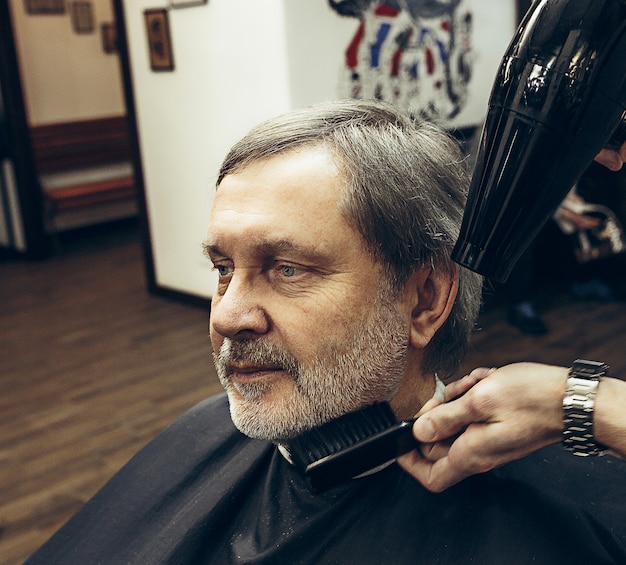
(198, 431)
(211, 413)
(202, 437)
(162, 494)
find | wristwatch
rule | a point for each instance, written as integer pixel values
(578, 406)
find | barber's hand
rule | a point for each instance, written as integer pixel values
(612, 159)
(501, 415)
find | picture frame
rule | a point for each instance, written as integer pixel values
(109, 37)
(159, 43)
(44, 7)
(82, 16)
(186, 3)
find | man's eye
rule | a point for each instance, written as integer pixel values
(289, 271)
(223, 270)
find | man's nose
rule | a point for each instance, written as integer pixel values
(239, 311)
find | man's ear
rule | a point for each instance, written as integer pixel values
(432, 296)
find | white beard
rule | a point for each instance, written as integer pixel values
(367, 366)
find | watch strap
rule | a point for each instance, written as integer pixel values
(578, 408)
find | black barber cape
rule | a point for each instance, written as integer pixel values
(201, 492)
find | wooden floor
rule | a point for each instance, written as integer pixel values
(92, 367)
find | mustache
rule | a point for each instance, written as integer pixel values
(255, 352)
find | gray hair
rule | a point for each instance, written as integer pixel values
(406, 184)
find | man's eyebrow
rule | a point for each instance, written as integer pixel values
(268, 248)
(209, 249)
(280, 246)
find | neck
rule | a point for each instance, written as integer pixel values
(416, 389)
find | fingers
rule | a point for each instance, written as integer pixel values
(436, 476)
(433, 476)
(434, 451)
(611, 159)
(429, 406)
(461, 386)
(443, 421)
(439, 465)
(458, 388)
(486, 422)
(437, 421)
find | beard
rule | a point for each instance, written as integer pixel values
(366, 366)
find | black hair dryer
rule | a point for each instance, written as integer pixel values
(559, 98)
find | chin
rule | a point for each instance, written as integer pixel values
(274, 418)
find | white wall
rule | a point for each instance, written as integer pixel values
(238, 62)
(66, 76)
(230, 72)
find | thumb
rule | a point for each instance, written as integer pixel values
(443, 421)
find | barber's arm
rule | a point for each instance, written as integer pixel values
(493, 416)
(502, 415)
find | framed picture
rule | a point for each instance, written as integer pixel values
(109, 37)
(82, 17)
(186, 3)
(44, 7)
(159, 44)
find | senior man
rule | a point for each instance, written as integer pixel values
(331, 232)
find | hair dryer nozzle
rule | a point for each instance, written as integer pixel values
(559, 95)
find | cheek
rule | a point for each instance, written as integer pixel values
(306, 327)
(327, 314)
(335, 319)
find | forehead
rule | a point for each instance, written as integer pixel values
(295, 195)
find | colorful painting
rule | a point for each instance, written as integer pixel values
(416, 54)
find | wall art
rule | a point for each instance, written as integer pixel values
(44, 7)
(186, 3)
(159, 44)
(82, 17)
(109, 37)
